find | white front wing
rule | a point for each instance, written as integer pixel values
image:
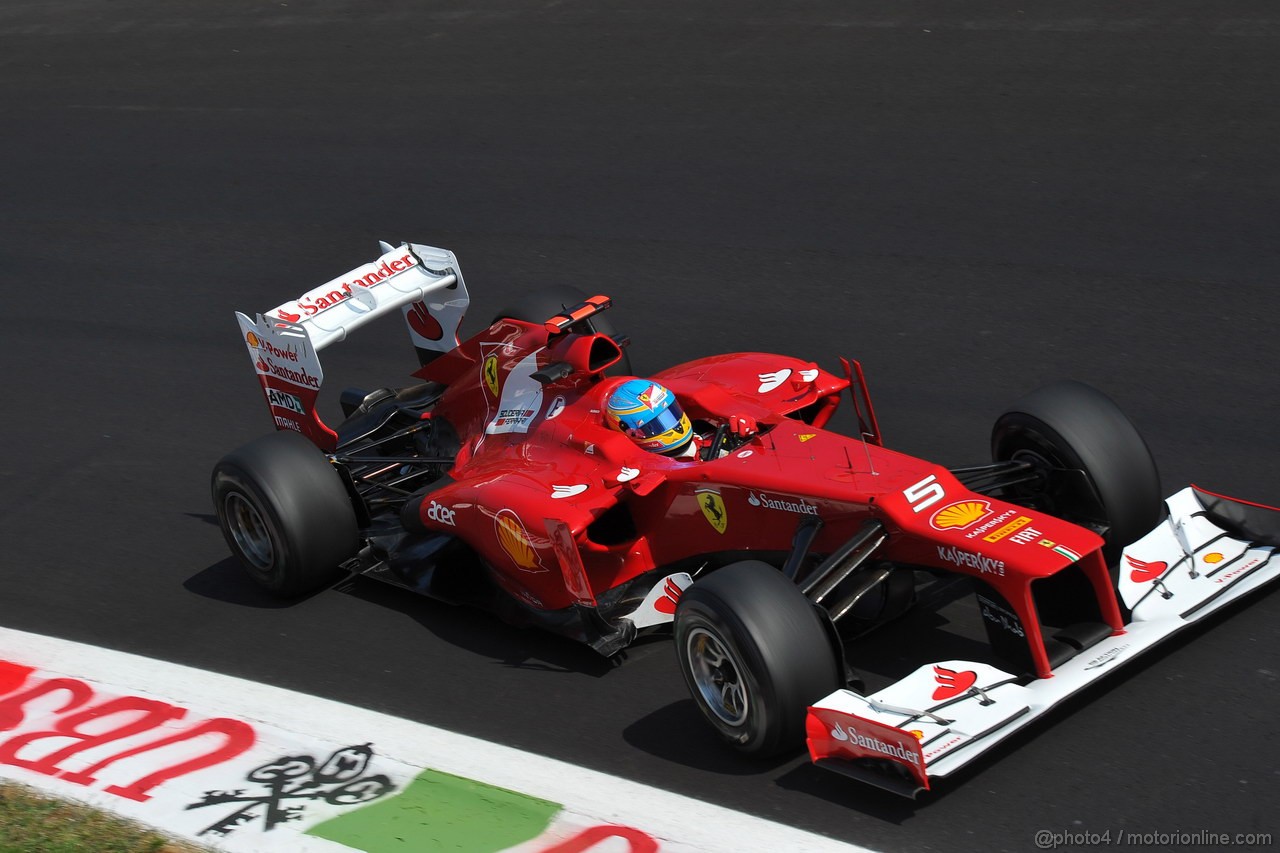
(1177, 574)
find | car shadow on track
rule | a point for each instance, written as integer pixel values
(225, 581)
(484, 634)
(678, 733)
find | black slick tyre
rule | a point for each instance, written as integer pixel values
(754, 655)
(285, 513)
(1075, 426)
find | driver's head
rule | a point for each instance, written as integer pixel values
(650, 415)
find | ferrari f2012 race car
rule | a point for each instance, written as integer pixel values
(495, 480)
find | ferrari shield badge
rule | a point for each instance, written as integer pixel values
(712, 506)
(491, 374)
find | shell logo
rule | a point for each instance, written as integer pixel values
(959, 515)
(515, 541)
(1213, 557)
(917, 734)
(252, 340)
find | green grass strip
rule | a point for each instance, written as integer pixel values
(36, 823)
(438, 811)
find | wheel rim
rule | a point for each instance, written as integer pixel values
(718, 677)
(1042, 456)
(1040, 460)
(249, 531)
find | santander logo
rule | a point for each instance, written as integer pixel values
(770, 381)
(951, 683)
(1144, 572)
(327, 296)
(671, 593)
(421, 321)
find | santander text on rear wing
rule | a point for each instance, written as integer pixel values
(424, 283)
(1210, 551)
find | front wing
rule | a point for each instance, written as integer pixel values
(946, 714)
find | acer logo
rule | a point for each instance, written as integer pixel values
(951, 683)
(440, 514)
(1143, 572)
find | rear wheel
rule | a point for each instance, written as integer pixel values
(285, 513)
(541, 305)
(1070, 426)
(754, 655)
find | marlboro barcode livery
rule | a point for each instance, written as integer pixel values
(528, 471)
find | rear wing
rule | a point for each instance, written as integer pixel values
(423, 282)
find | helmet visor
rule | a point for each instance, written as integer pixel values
(663, 421)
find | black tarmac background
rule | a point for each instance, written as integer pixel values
(970, 197)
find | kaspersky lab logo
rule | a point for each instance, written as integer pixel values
(985, 565)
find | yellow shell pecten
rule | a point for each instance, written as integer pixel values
(960, 514)
(515, 541)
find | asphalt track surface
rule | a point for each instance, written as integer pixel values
(971, 197)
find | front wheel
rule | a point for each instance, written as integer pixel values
(285, 513)
(754, 655)
(1068, 427)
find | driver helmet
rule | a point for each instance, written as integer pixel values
(650, 415)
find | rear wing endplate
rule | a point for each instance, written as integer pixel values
(423, 282)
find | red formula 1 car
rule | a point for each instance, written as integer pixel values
(495, 480)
